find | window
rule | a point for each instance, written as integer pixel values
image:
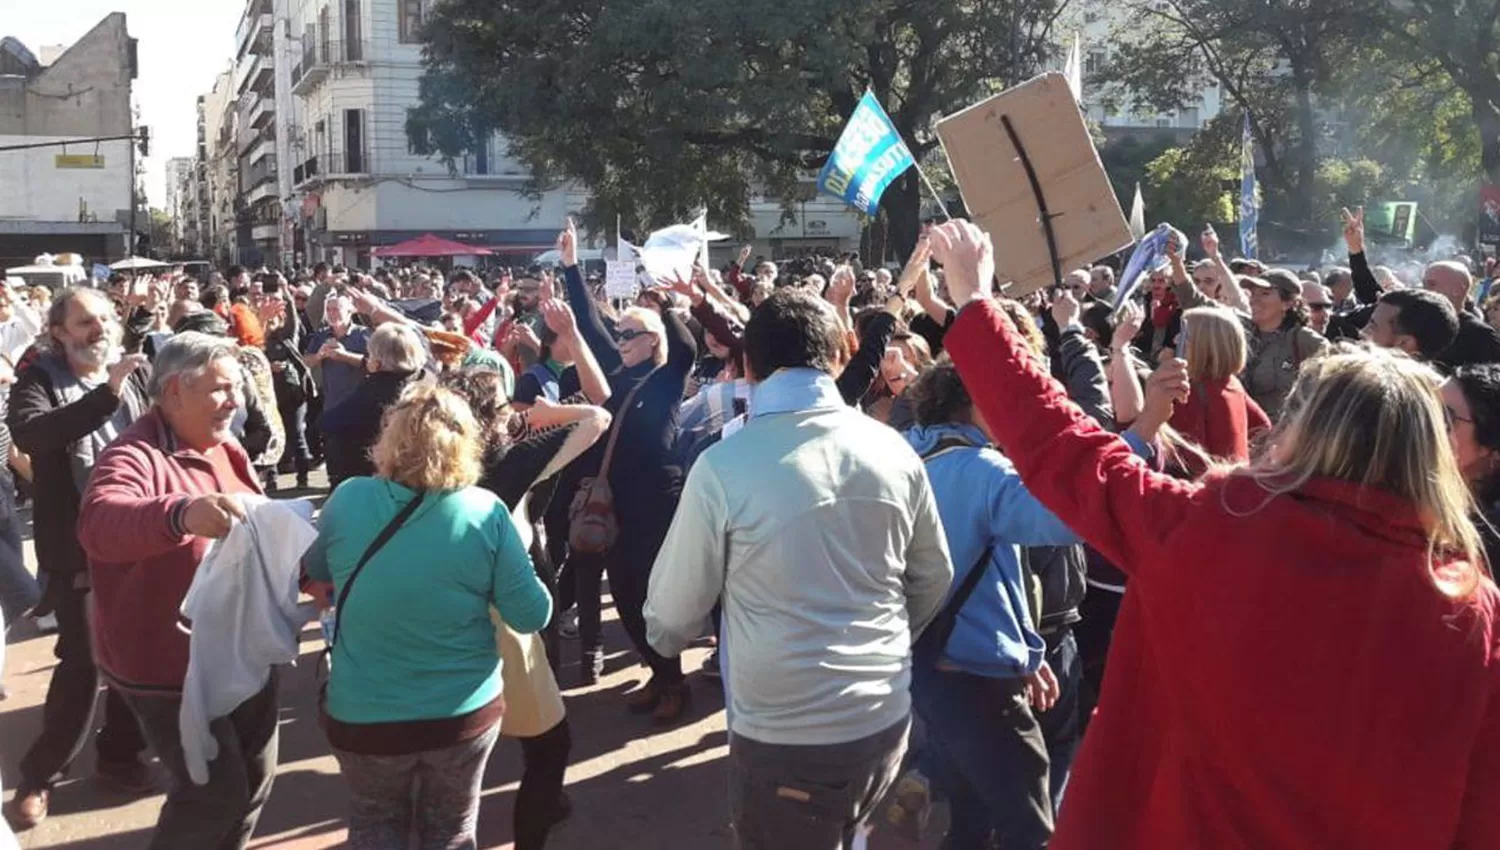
(1163, 122)
(354, 49)
(1094, 63)
(416, 145)
(410, 14)
(354, 141)
(1090, 17)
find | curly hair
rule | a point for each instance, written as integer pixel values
(484, 390)
(429, 440)
(939, 395)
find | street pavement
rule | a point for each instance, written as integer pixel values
(634, 785)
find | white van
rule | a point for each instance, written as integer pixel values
(52, 277)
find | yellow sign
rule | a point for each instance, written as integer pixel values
(79, 160)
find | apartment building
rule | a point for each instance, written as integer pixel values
(76, 197)
(257, 205)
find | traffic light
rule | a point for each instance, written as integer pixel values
(143, 140)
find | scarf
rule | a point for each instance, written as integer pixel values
(69, 388)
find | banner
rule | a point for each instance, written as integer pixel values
(868, 157)
(1249, 207)
(1489, 214)
(1148, 255)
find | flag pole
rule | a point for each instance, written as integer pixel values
(928, 183)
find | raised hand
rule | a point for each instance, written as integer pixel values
(122, 370)
(567, 244)
(1354, 229)
(841, 287)
(968, 259)
(1127, 324)
(1210, 240)
(1065, 309)
(559, 317)
(916, 266)
(521, 333)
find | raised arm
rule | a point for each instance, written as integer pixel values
(37, 426)
(682, 351)
(1233, 296)
(1188, 294)
(561, 320)
(590, 324)
(1089, 478)
(1078, 363)
(864, 366)
(1366, 287)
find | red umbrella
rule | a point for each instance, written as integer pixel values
(431, 245)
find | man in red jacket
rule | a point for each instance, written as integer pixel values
(159, 494)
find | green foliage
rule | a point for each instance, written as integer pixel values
(660, 107)
(1185, 187)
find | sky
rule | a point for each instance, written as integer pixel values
(183, 44)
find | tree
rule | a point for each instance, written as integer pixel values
(1462, 38)
(664, 106)
(1270, 58)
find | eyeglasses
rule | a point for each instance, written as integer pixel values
(1320, 308)
(1452, 418)
(628, 334)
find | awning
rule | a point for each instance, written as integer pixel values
(431, 245)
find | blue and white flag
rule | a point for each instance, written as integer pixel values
(101, 272)
(1148, 254)
(868, 157)
(1249, 205)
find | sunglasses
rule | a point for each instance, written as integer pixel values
(628, 334)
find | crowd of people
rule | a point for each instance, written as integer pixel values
(916, 512)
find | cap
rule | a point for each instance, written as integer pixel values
(1316, 295)
(1279, 279)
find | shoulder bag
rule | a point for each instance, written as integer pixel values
(592, 524)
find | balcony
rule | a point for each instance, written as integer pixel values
(255, 33)
(263, 114)
(263, 144)
(333, 166)
(265, 232)
(321, 56)
(257, 74)
(263, 191)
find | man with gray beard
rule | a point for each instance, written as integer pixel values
(65, 407)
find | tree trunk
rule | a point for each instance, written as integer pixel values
(1300, 202)
(1487, 120)
(902, 205)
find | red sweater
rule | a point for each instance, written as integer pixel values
(1283, 675)
(1221, 418)
(139, 565)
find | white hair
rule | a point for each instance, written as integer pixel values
(186, 354)
(397, 348)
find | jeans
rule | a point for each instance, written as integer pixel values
(72, 696)
(221, 814)
(628, 583)
(294, 422)
(810, 797)
(1062, 724)
(1100, 608)
(437, 791)
(986, 754)
(544, 761)
(19, 591)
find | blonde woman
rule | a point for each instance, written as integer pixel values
(1307, 656)
(1217, 415)
(414, 698)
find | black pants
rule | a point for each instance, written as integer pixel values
(314, 430)
(1062, 724)
(294, 421)
(221, 814)
(1100, 609)
(68, 714)
(544, 760)
(628, 582)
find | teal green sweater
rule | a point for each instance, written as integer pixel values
(415, 640)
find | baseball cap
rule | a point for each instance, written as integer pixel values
(1279, 279)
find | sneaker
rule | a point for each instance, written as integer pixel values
(590, 668)
(132, 777)
(28, 809)
(711, 666)
(567, 624)
(911, 805)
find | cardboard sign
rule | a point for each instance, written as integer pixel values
(619, 278)
(1086, 218)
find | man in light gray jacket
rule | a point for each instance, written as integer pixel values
(818, 528)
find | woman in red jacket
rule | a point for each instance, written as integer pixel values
(1307, 656)
(1217, 415)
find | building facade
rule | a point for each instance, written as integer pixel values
(76, 197)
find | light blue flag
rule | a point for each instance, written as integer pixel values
(1147, 255)
(1249, 207)
(868, 157)
(101, 272)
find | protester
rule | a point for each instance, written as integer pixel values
(19, 591)
(1319, 303)
(819, 659)
(396, 361)
(415, 695)
(337, 352)
(1476, 342)
(1102, 284)
(160, 493)
(1471, 403)
(252, 357)
(66, 406)
(1363, 556)
(1218, 415)
(647, 360)
(1420, 323)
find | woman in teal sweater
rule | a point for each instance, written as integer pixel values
(414, 698)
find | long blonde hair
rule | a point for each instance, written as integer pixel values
(1374, 418)
(1215, 346)
(429, 440)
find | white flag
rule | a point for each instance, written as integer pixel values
(1138, 215)
(1073, 70)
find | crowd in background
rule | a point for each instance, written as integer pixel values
(1267, 498)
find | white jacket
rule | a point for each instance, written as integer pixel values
(243, 607)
